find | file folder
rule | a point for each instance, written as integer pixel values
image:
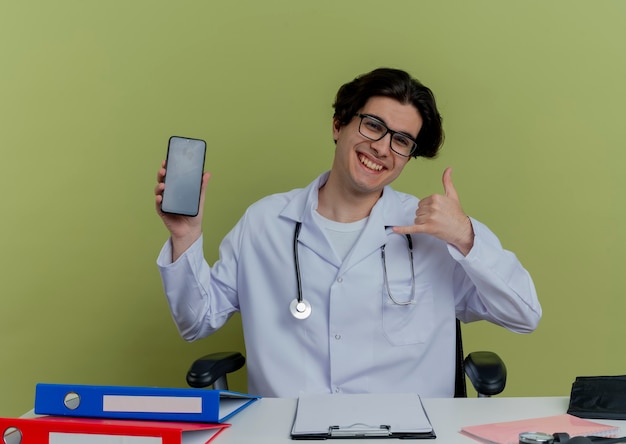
(147, 403)
(63, 430)
(509, 431)
(370, 415)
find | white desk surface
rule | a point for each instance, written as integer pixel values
(269, 420)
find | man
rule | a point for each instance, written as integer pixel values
(347, 285)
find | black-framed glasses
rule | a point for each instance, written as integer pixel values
(374, 129)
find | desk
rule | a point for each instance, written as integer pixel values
(269, 420)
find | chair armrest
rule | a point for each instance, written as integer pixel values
(486, 371)
(212, 368)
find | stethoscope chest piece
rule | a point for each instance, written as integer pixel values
(300, 309)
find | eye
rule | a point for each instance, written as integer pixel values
(374, 126)
(403, 141)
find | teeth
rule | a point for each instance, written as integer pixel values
(371, 165)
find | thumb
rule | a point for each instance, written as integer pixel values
(448, 186)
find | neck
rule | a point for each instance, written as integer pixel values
(339, 204)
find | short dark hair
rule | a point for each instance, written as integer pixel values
(399, 85)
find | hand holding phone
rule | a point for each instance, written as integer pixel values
(184, 167)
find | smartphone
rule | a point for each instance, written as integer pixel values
(184, 167)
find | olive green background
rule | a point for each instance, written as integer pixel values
(532, 93)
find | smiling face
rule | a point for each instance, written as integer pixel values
(362, 166)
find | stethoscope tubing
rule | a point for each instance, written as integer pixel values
(297, 260)
(410, 247)
(301, 308)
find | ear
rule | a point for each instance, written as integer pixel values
(336, 129)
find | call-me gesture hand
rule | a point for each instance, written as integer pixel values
(442, 216)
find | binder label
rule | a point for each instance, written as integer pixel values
(151, 404)
(86, 438)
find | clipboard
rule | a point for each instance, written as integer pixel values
(363, 415)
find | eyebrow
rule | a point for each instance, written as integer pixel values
(404, 133)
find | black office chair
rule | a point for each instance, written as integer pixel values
(485, 370)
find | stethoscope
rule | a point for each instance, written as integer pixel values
(301, 308)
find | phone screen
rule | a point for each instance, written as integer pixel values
(183, 176)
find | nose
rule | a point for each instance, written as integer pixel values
(382, 146)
